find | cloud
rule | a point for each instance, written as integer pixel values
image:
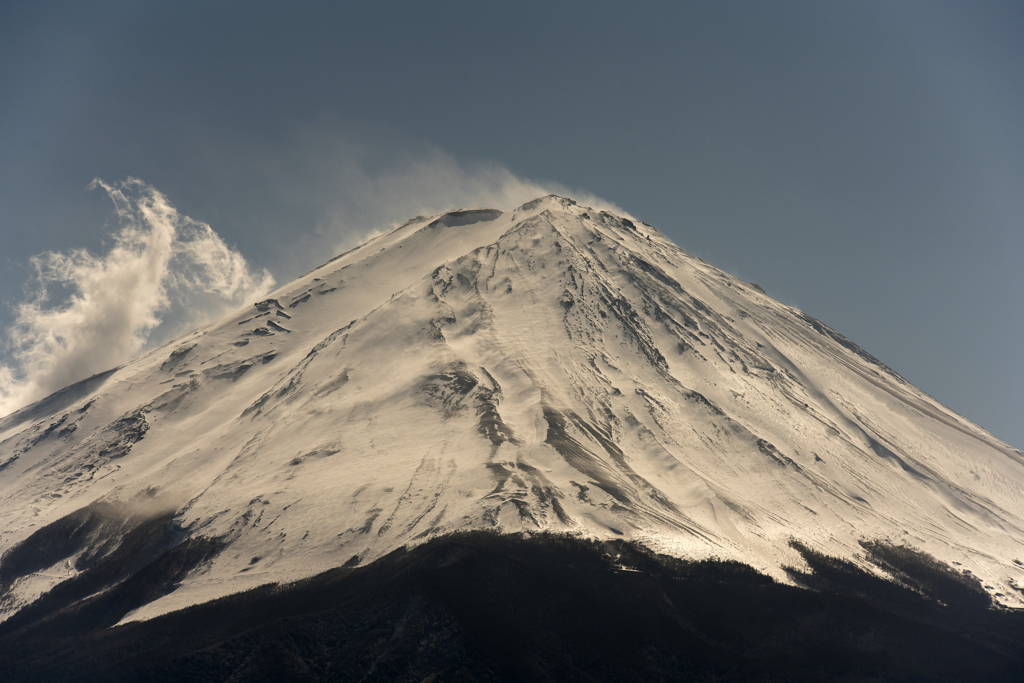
(325, 186)
(163, 273)
(427, 183)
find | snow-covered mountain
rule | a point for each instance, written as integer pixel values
(548, 368)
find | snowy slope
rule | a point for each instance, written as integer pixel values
(551, 367)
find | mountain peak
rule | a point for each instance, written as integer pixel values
(551, 368)
(547, 200)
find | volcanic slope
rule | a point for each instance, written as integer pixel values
(548, 368)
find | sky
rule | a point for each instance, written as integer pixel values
(862, 161)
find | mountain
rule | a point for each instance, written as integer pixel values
(549, 369)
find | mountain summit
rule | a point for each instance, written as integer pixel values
(552, 368)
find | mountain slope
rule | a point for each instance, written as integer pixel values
(548, 368)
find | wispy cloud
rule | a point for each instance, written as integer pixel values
(426, 182)
(84, 313)
(328, 185)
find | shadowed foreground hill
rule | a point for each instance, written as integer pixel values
(488, 607)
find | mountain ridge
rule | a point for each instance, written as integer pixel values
(550, 368)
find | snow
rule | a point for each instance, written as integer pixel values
(548, 368)
(28, 588)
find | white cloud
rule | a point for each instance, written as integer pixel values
(426, 182)
(164, 272)
(330, 185)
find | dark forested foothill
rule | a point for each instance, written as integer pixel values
(487, 607)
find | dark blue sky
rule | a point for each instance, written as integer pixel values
(862, 161)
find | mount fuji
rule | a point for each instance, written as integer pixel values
(551, 371)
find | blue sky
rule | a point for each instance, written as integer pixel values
(862, 161)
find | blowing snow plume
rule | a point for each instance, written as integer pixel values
(162, 265)
(340, 183)
(425, 181)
